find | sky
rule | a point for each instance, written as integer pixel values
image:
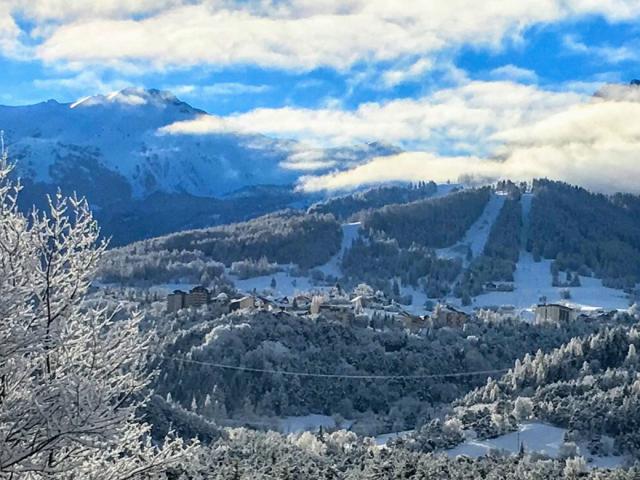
(489, 88)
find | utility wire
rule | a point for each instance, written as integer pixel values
(336, 375)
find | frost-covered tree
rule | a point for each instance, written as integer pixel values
(523, 408)
(71, 376)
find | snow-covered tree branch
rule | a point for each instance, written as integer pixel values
(71, 378)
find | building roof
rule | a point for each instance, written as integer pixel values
(557, 305)
(246, 297)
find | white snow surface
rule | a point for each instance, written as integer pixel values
(536, 437)
(534, 280)
(350, 232)
(477, 235)
(286, 285)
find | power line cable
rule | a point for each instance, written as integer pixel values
(336, 375)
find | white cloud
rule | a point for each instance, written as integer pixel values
(453, 119)
(293, 34)
(9, 35)
(83, 83)
(233, 88)
(514, 73)
(307, 160)
(391, 78)
(607, 53)
(65, 10)
(595, 144)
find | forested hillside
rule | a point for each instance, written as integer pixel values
(345, 207)
(286, 237)
(263, 340)
(378, 260)
(432, 223)
(586, 232)
(590, 385)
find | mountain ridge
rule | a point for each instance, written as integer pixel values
(110, 149)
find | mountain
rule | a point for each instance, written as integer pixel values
(141, 182)
(475, 247)
(119, 134)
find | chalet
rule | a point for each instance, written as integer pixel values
(343, 312)
(413, 323)
(301, 302)
(448, 316)
(242, 303)
(554, 313)
(197, 297)
(176, 301)
(274, 305)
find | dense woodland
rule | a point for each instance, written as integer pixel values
(378, 260)
(590, 385)
(139, 267)
(347, 207)
(586, 232)
(432, 223)
(283, 238)
(263, 340)
(249, 455)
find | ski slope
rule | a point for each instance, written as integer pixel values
(533, 280)
(287, 285)
(350, 232)
(476, 237)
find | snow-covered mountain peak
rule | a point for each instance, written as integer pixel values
(114, 138)
(133, 97)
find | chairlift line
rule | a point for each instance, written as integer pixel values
(337, 375)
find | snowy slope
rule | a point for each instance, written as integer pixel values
(533, 280)
(350, 232)
(478, 234)
(536, 437)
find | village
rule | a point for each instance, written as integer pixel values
(365, 308)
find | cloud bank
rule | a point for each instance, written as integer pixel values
(487, 130)
(290, 34)
(460, 119)
(595, 144)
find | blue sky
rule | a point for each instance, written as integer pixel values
(567, 48)
(455, 79)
